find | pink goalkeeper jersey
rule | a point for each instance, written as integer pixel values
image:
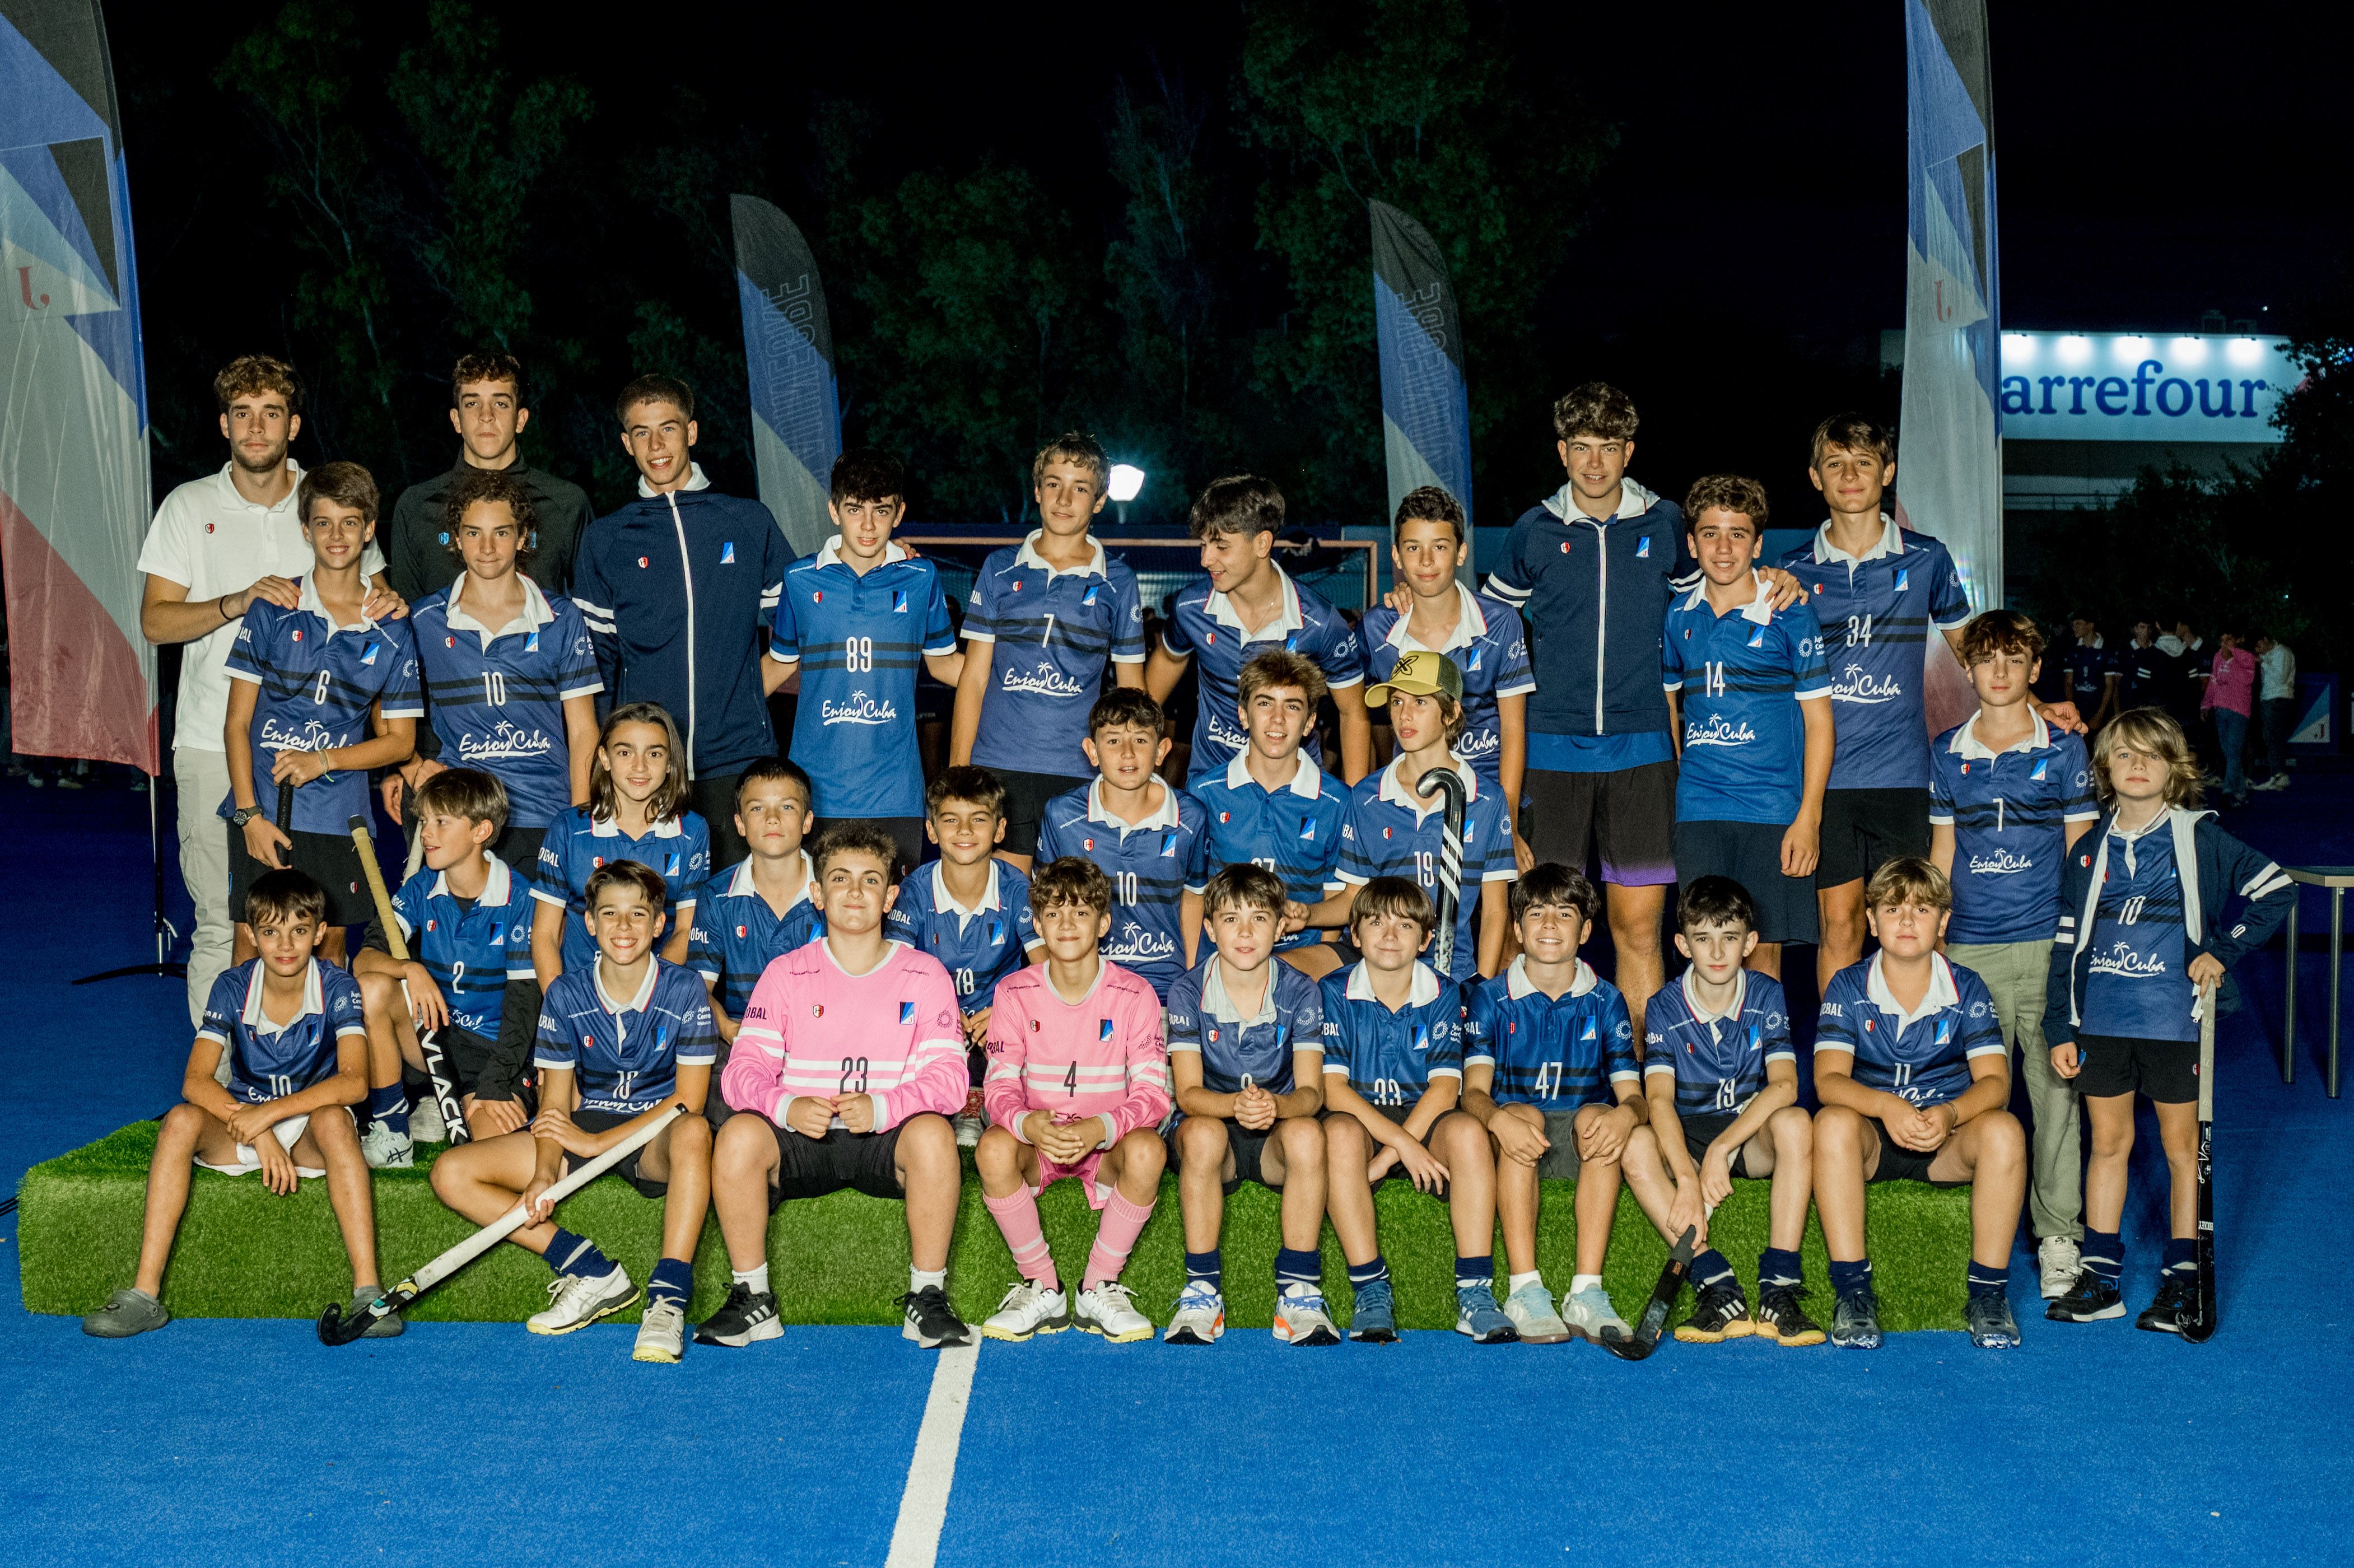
(892, 1033)
(1102, 1057)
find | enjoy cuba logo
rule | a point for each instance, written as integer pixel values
(1478, 743)
(314, 735)
(1718, 731)
(1046, 681)
(859, 708)
(2002, 863)
(1137, 945)
(2126, 964)
(507, 742)
(1855, 685)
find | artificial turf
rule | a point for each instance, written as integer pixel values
(244, 1252)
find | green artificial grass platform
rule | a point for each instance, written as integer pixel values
(245, 1253)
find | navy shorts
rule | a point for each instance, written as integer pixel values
(1863, 830)
(2164, 1070)
(605, 1121)
(812, 1167)
(1898, 1164)
(1751, 853)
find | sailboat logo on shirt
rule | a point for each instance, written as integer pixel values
(1088, 598)
(369, 656)
(1169, 846)
(727, 553)
(898, 601)
(996, 932)
(1308, 833)
(2042, 769)
(1106, 1033)
(1422, 1036)
(1589, 1033)
(1643, 549)
(1757, 638)
(1472, 668)
(670, 867)
(1945, 1029)
(907, 1012)
(1901, 574)
(531, 643)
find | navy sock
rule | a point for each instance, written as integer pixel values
(1984, 1281)
(2104, 1253)
(1847, 1279)
(1298, 1269)
(1367, 1273)
(2181, 1252)
(1775, 1266)
(1474, 1273)
(1205, 1269)
(570, 1254)
(1709, 1268)
(389, 1106)
(672, 1279)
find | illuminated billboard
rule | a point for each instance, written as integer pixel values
(2127, 386)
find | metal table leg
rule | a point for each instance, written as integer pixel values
(2288, 1012)
(2336, 944)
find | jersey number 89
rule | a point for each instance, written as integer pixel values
(858, 652)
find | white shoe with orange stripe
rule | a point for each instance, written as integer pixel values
(1300, 1317)
(1200, 1316)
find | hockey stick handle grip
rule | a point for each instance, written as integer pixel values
(2207, 1000)
(365, 841)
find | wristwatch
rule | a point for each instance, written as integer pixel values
(244, 814)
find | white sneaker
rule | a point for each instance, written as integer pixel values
(1588, 1315)
(1200, 1316)
(575, 1302)
(968, 1130)
(1107, 1310)
(1301, 1317)
(2060, 1261)
(386, 1149)
(1029, 1308)
(661, 1333)
(424, 1123)
(2277, 781)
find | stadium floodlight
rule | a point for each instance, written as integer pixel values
(1123, 484)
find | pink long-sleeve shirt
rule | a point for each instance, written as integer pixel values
(1102, 1057)
(810, 1028)
(2234, 684)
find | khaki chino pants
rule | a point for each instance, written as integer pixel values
(2015, 974)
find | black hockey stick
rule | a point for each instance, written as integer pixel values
(428, 1041)
(1448, 784)
(2199, 1323)
(1654, 1319)
(335, 1329)
(286, 815)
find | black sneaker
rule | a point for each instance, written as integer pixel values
(2177, 1291)
(1992, 1328)
(1781, 1319)
(931, 1322)
(2091, 1298)
(1721, 1314)
(747, 1315)
(1855, 1320)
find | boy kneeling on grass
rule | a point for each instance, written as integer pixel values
(1913, 1074)
(1725, 1104)
(297, 1047)
(1077, 1085)
(619, 1040)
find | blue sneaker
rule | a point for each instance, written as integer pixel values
(1374, 1322)
(1476, 1313)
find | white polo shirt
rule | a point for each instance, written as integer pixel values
(216, 541)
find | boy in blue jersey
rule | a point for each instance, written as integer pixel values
(1149, 836)
(619, 1040)
(466, 921)
(2094, 673)
(2008, 795)
(2146, 939)
(854, 620)
(1483, 636)
(761, 910)
(1393, 1078)
(1048, 614)
(510, 672)
(1273, 808)
(1549, 1069)
(1725, 1104)
(1248, 602)
(1747, 684)
(303, 685)
(637, 811)
(1914, 1077)
(290, 1031)
(1392, 830)
(1245, 1062)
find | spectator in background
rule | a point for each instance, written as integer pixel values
(2179, 696)
(2276, 669)
(2092, 674)
(2230, 698)
(2141, 669)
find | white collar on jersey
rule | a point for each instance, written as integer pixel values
(1219, 1003)
(534, 615)
(1470, 625)
(695, 480)
(1942, 993)
(311, 601)
(1760, 608)
(1162, 816)
(1966, 742)
(1216, 607)
(496, 890)
(1891, 542)
(891, 947)
(313, 999)
(1394, 789)
(1633, 502)
(636, 1003)
(1307, 780)
(740, 882)
(830, 553)
(1700, 1014)
(1099, 564)
(1517, 983)
(1421, 991)
(942, 903)
(610, 828)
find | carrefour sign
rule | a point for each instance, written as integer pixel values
(2098, 387)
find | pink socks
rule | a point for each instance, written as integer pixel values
(1115, 1237)
(1017, 1218)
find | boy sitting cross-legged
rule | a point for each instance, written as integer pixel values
(619, 1039)
(851, 1056)
(1718, 1045)
(1549, 1069)
(1913, 1075)
(764, 908)
(1247, 1053)
(1077, 1085)
(1393, 1074)
(297, 1048)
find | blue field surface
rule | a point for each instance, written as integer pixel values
(220, 1442)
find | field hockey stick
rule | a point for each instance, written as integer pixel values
(1646, 1337)
(335, 1329)
(1449, 785)
(286, 814)
(2198, 1324)
(428, 1041)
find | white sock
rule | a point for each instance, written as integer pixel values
(755, 1279)
(1520, 1282)
(927, 1278)
(1578, 1282)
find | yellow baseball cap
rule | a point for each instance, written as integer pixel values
(1421, 673)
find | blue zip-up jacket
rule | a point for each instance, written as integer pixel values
(677, 590)
(2224, 871)
(1596, 594)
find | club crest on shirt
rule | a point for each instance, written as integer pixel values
(531, 643)
(2041, 770)
(907, 1012)
(1307, 832)
(1757, 638)
(1589, 1033)
(1473, 666)
(1225, 817)
(1643, 549)
(449, 642)
(671, 866)
(367, 656)
(298, 634)
(898, 601)
(1945, 1029)
(1169, 846)
(1422, 1037)
(431, 924)
(1104, 1033)
(1901, 574)
(643, 563)
(742, 932)
(728, 553)
(1088, 598)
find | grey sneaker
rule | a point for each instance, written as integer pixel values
(386, 1149)
(1588, 1316)
(2057, 1260)
(1531, 1309)
(388, 1327)
(126, 1312)
(576, 1300)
